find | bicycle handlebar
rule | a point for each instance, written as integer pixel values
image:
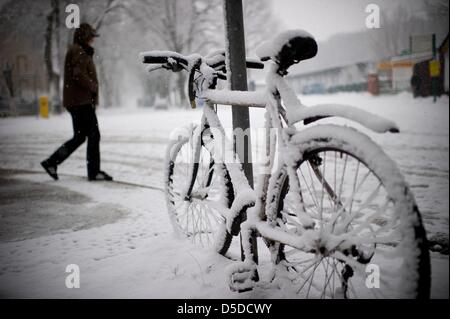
(253, 64)
(155, 59)
(176, 62)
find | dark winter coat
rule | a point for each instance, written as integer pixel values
(80, 77)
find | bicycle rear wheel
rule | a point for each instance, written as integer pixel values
(366, 235)
(198, 214)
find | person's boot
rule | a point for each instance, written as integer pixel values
(50, 169)
(100, 176)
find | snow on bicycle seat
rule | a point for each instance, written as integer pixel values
(288, 48)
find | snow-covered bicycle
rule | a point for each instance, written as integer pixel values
(334, 210)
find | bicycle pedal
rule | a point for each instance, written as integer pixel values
(242, 277)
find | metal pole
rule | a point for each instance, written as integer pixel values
(234, 29)
(238, 81)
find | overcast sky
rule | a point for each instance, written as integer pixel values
(323, 18)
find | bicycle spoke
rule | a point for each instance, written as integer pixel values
(294, 251)
(309, 276)
(306, 268)
(334, 276)
(354, 188)
(327, 279)
(335, 179)
(309, 190)
(370, 198)
(199, 217)
(323, 187)
(364, 205)
(369, 219)
(312, 184)
(342, 179)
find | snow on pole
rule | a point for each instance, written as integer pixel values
(237, 77)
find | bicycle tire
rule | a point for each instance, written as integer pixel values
(222, 238)
(414, 270)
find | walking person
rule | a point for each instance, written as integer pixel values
(80, 98)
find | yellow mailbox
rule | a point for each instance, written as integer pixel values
(43, 106)
(435, 68)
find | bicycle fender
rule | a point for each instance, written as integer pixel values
(313, 113)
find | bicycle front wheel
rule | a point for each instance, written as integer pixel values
(196, 198)
(365, 237)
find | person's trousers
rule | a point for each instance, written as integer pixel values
(85, 125)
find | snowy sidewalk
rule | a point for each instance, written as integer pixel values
(121, 239)
(122, 242)
(119, 236)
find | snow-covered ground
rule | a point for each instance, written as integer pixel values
(128, 248)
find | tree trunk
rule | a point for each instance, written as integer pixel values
(53, 77)
(57, 44)
(106, 88)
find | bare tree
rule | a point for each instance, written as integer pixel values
(259, 22)
(111, 6)
(109, 84)
(22, 25)
(127, 27)
(22, 19)
(188, 26)
(183, 26)
(51, 55)
(393, 36)
(437, 9)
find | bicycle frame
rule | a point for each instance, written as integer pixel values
(255, 221)
(282, 119)
(260, 212)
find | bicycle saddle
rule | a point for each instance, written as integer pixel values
(288, 48)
